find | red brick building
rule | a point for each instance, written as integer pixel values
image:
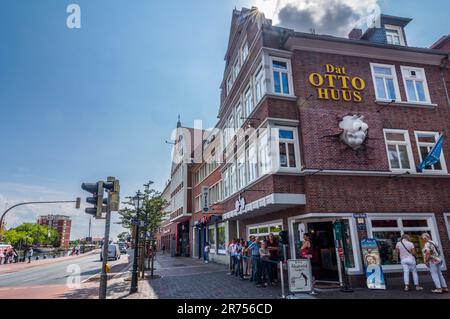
(62, 224)
(316, 129)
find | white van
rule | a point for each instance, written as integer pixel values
(113, 252)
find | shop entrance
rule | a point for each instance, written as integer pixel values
(324, 260)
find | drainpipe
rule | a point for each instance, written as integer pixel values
(444, 67)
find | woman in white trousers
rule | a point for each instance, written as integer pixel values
(433, 260)
(405, 248)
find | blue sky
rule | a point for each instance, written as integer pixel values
(82, 104)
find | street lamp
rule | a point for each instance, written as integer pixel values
(138, 201)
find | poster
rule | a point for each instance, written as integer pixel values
(299, 275)
(372, 262)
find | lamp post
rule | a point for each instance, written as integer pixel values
(137, 201)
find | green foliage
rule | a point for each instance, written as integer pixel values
(37, 234)
(124, 236)
(151, 213)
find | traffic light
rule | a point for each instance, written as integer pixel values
(96, 189)
(113, 187)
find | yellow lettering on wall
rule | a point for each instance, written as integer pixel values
(330, 78)
(347, 95)
(316, 79)
(358, 83)
(357, 97)
(323, 94)
(329, 68)
(335, 94)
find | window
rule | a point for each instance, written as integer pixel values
(198, 203)
(385, 81)
(280, 77)
(215, 194)
(394, 35)
(244, 52)
(415, 85)
(398, 149)
(221, 245)
(248, 101)
(252, 161)
(236, 69)
(265, 230)
(388, 235)
(425, 143)
(241, 171)
(259, 85)
(226, 184)
(239, 116)
(212, 239)
(230, 82)
(264, 154)
(287, 148)
(233, 179)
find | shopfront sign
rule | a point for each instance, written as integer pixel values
(240, 204)
(334, 84)
(372, 262)
(300, 275)
(205, 199)
(360, 221)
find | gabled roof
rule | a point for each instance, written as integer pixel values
(444, 41)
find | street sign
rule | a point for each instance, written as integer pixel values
(300, 275)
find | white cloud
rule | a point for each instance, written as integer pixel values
(333, 17)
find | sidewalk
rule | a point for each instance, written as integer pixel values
(10, 268)
(187, 278)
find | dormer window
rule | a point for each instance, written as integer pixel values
(394, 35)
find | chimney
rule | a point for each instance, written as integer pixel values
(355, 34)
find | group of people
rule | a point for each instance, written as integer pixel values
(10, 255)
(433, 259)
(255, 260)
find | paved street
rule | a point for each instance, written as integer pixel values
(186, 278)
(49, 279)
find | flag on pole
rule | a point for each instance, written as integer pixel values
(434, 156)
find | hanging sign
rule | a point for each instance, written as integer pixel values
(372, 262)
(300, 275)
(205, 199)
(336, 85)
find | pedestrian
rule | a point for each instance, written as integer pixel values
(306, 248)
(256, 261)
(29, 254)
(407, 252)
(434, 260)
(163, 249)
(15, 256)
(2, 256)
(232, 252)
(274, 249)
(206, 251)
(238, 259)
(246, 260)
(265, 264)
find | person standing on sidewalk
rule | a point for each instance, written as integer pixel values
(245, 259)
(29, 254)
(407, 252)
(265, 264)
(273, 247)
(256, 261)
(206, 251)
(433, 260)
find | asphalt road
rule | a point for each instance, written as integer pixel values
(57, 273)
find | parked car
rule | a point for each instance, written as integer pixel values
(123, 247)
(113, 252)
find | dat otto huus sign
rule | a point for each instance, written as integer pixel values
(334, 84)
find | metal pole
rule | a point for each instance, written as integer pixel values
(104, 275)
(134, 275)
(283, 296)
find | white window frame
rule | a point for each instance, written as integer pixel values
(407, 142)
(399, 29)
(259, 82)
(405, 75)
(269, 224)
(248, 101)
(432, 227)
(276, 148)
(289, 76)
(252, 144)
(244, 49)
(447, 223)
(212, 248)
(198, 203)
(265, 161)
(393, 77)
(230, 82)
(239, 115)
(241, 168)
(418, 144)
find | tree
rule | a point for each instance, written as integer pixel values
(124, 236)
(151, 213)
(32, 234)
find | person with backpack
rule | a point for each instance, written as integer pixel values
(407, 252)
(433, 260)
